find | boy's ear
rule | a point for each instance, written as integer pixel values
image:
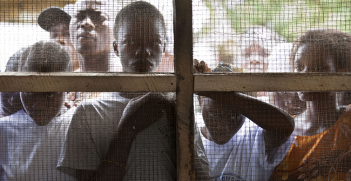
(199, 99)
(115, 48)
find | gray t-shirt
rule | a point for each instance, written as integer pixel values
(152, 155)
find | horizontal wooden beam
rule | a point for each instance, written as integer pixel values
(115, 82)
(253, 82)
(86, 82)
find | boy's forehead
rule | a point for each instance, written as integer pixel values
(91, 5)
(133, 24)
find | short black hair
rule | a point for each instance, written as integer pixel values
(139, 9)
(45, 57)
(336, 42)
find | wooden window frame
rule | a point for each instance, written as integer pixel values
(184, 82)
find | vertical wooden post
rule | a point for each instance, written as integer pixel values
(183, 50)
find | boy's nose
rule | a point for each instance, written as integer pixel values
(87, 24)
(60, 40)
(143, 51)
(254, 61)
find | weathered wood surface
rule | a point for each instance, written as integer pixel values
(86, 82)
(249, 82)
(26, 11)
(106, 82)
(185, 87)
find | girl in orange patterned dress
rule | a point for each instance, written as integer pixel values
(322, 146)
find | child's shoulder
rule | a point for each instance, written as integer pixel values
(249, 127)
(16, 119)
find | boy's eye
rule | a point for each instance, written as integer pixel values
(212, 114)
(298, 67)
(50, 95)
(81, 16)
(97, 18)
(156, 43)
(130, 43)
(28, 93)
(54, 35)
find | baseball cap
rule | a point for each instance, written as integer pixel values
(53, 15)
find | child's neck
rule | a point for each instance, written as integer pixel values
(319, 116)
(98, 62)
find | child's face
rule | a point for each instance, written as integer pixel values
(254, 58)
(314, 58)
(42, 107)
(222, 123)
(60, 34)
(288, 101)
(140, 44)
(89, 29)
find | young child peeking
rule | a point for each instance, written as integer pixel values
(31, 139)
(244, 138)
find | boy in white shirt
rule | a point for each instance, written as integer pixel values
(31, 139)
(244, 138)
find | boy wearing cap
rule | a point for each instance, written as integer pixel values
(128, 136)
(31, 139)
(56, 21)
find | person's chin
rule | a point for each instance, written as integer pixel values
(313, 96)
(221, 140)
(296, 110)
(41, 121)
(142, 69)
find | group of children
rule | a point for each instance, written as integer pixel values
(119, 136)
(318, 149)
(129, 136)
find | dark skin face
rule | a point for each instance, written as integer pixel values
(288, 101)
(222, 122)
(42, 107)
(60, 34)
(89, 29)
(140, 45)
(255, 58)
(344, 98)
(313, 58)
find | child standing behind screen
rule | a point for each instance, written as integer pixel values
(31, 139)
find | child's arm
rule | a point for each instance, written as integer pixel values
(138, 115)
(278, 125)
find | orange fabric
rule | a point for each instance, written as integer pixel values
(325, 156)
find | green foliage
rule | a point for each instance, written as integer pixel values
(291, 18)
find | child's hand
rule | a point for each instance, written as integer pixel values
(142, 111)
(200, 67)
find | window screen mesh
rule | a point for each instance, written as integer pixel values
(304, 135)
(87, 135)
(69, 136)
(26, 22)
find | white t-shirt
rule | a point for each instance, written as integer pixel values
(152, 155)
(31, 152)
(243, 157)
